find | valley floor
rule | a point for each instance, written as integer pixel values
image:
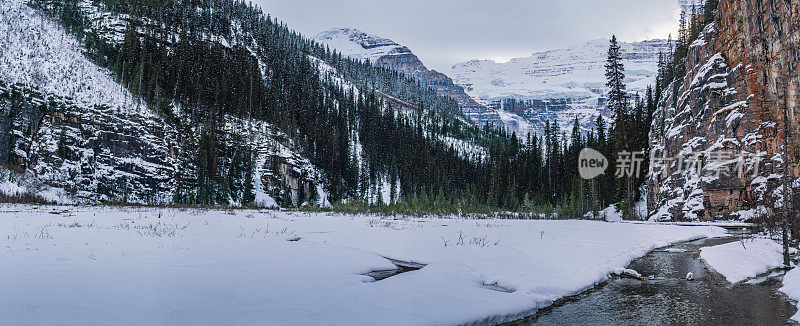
(112, 266)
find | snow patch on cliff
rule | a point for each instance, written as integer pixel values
(37, 52)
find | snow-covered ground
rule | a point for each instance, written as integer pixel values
(791, 286)
(740, 260)
(109, 266)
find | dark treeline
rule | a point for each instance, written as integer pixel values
(173, 58)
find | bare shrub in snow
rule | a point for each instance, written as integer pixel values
(75, 224)
(43, 233)
(379, 223)
(169, 230)
(464, 240)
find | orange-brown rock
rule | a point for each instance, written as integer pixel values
(741, 76)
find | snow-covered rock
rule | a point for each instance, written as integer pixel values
(791, 286)
(574, 76)
(610, 214)
(717, 114)
(386, 53)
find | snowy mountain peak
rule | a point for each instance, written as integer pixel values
(386, 53)
(574, 72)
(360, 45)
(358, 36)
(561, 83)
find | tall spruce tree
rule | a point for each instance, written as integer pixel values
(618, 102)
(615, 78)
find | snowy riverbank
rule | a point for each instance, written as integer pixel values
(116, 266)
(749, 258)
(744, 259)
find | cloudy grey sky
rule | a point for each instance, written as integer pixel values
(445, 32)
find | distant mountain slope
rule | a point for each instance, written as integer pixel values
(359, 45)
(565, 82)
(386, 53)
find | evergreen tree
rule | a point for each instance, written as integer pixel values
(615, 79)
(249, 196)
(709, 10)
(208, 169)
(681, 48)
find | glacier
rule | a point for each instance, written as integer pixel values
(563, 83)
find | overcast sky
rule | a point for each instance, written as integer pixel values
(446, 32)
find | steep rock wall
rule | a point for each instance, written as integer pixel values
(65, 152)
(90, 154)
(741, 75)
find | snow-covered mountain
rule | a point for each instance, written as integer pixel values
(387, 53)
(35, 51)
(384, 52)
(563, 83)
(359, 45)
(575, 72)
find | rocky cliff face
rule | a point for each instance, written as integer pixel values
(727, 114)
(87, 154)
(66, 152)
